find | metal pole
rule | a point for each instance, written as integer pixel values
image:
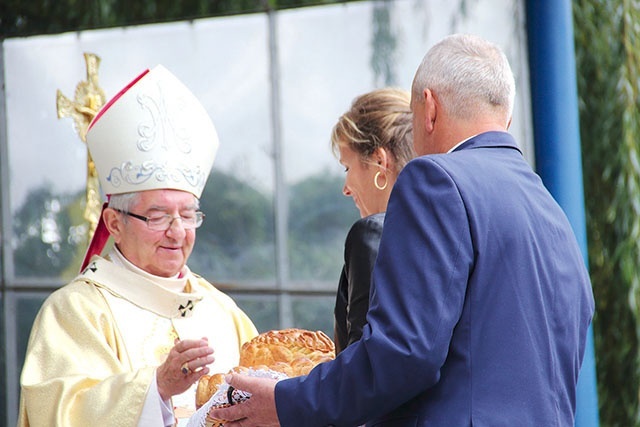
(10, 366)
(281, 208)
(554, 98)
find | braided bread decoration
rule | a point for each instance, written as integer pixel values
(293, 352)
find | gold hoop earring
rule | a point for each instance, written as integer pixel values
(375, 182)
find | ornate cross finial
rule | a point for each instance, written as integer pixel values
(89, 98)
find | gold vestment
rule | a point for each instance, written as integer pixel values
(97, 341)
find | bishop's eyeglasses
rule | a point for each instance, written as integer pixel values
(164, 222)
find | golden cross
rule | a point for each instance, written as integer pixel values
(89, 98)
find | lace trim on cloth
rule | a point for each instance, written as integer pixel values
(227, 396)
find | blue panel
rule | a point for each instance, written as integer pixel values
(554, 100)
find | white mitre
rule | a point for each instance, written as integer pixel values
(154, 134)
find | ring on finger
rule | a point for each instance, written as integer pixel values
(185, 368)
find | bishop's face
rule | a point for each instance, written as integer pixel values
(160, 252)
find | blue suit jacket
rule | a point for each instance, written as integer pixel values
(479, 308)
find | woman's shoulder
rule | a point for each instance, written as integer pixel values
(375, 221)
(371, 224)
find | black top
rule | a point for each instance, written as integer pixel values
(352, 299)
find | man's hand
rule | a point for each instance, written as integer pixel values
(259, 410)
(186, 363)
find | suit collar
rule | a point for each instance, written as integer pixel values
(493, 139)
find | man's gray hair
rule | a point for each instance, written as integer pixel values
(468, 75)
(124, 201)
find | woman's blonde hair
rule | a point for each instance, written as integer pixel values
(378, 119)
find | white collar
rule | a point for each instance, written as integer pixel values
(461, 142)
(143, 291)
(174, 284)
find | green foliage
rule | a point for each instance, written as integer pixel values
(42, 241)
(385, 42)
(263, 310)
(236, 240)
(314, 313)
(319, 218)
(22, 18)
(19, 17)
(607, 47)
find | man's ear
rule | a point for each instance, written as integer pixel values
(113, 222)
(430, 110)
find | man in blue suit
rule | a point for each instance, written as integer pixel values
(480, 298)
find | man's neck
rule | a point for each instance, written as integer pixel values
(461, 131)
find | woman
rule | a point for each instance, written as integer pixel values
(373, 141)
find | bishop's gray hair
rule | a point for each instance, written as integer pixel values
(123, 202)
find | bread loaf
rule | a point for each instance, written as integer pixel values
(288, 347)
(293, 352)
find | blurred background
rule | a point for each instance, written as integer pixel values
(275, 76)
